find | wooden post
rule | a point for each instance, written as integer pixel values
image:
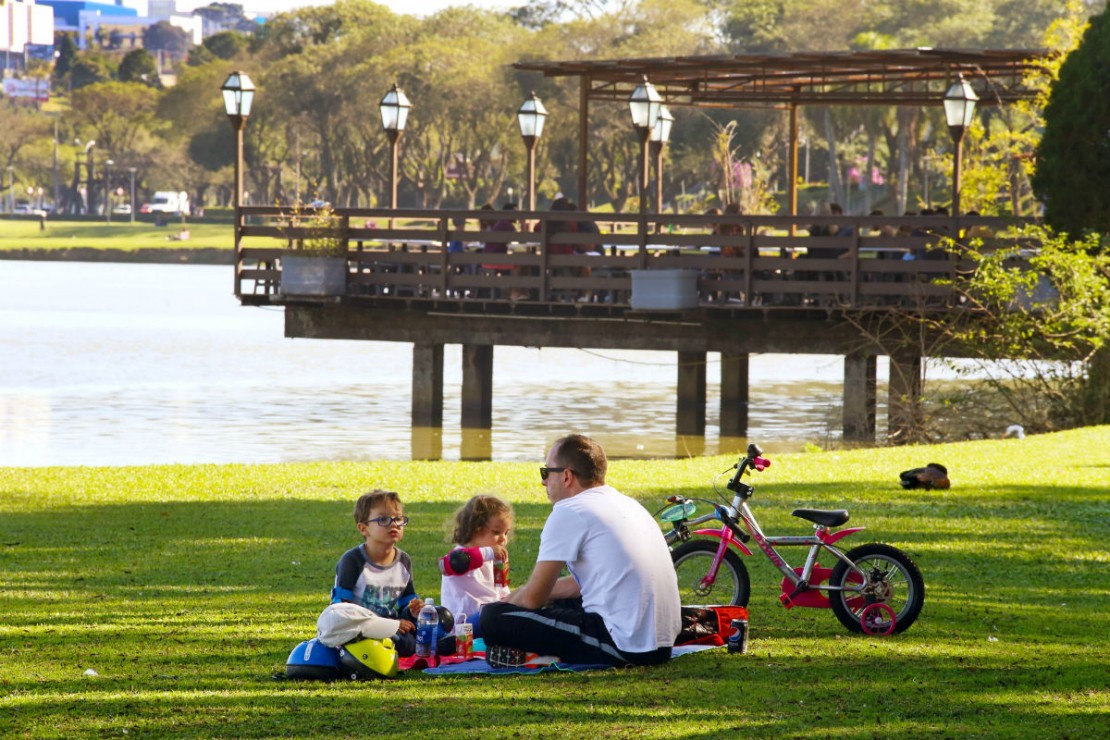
(904, 397)
(427, 385)
(690, 415)
(859, 397)
(477, 386)
(734, 395)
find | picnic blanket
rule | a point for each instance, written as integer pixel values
(451, 665)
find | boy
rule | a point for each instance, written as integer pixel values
(377, 574)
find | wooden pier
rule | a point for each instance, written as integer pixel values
(765, 285)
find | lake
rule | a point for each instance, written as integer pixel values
(126, 364)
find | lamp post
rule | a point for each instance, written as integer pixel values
(394, 107)
(660, 135)
(108, 190)
(90, 191)
(11, 189)
(238, 92)
(959, 108)
(644, 104)
(531, 116)
(131, 171)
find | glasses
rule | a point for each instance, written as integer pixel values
(386, 521)
(544, 470)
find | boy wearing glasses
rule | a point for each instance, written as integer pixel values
(377, 574)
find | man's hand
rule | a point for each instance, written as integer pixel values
(541, 586)
(405, 626)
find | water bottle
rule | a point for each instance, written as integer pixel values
(427, 625)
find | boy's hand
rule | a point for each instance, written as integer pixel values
(500, 552)
(406, 626)
(415, 606)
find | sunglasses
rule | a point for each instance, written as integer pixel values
(544, 470)
(386, 521)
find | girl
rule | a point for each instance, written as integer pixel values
(476, 571)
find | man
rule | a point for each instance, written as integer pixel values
(619, 565)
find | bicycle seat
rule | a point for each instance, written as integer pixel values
(824, 517)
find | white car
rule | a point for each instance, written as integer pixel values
(26, 209)
(123, 209)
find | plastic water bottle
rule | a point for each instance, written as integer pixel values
(427, 625)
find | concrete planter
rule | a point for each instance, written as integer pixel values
(664, 290)
(310, 275)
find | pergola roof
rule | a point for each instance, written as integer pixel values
(891, 77)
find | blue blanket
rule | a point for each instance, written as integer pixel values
(479, 665)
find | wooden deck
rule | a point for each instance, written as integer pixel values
(766, 266)
(771, 288)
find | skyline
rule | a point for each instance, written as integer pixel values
(407, 7)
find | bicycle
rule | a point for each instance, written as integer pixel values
(875, 589)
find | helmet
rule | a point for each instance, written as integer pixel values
(313, 660)
(446, 621)
(366, 659)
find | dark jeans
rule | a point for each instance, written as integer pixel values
(572, 634)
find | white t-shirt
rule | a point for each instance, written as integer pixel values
(467, 593)
(617, 554)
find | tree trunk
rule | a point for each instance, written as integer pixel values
(834, 160)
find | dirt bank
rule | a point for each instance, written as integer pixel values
(169, 255)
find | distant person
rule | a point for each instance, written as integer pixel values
(620, 568)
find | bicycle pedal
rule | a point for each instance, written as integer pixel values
(786, 600)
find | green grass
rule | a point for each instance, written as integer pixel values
(120, 234)
(185, 588)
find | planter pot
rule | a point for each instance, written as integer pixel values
(308, 275)
(665, 290)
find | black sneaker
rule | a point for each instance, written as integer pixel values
(500, 656)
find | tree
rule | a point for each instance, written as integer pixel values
(115, 112)
(139, 66)
(66, 57)
(225, 44)
(164, 36)
(1073, 158)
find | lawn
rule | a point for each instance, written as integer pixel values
(185, 588)
(24, 233)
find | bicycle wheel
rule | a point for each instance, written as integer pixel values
(894, 581)
(692, 561)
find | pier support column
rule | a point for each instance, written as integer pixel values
(477, 386)
(904, 397)
(734, 395)
(690, 416)
(427, 385)
(859, 397)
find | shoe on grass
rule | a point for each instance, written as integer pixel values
(500, 656)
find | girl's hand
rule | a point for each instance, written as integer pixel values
(500, 552)
(406, 626)
(415, 606)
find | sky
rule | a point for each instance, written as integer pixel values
(411, 7)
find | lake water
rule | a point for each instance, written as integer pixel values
(121, 364)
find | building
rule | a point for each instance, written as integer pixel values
(26, 32)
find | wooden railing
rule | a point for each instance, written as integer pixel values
(767, 261)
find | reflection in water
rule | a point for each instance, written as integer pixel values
(112, 364)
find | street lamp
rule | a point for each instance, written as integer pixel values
(660, 135)
(238, 92)
(131, 171)
(108, 190)
(394, 107)
(644, 104)
(959, 108)
(531, 116)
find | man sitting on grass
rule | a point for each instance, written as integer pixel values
(619, 565)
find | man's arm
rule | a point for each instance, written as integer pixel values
(543, 585)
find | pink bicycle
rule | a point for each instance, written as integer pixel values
(873, 589)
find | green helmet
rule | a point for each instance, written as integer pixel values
(366, 659)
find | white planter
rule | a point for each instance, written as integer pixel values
(664, 289)
(308, 275)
